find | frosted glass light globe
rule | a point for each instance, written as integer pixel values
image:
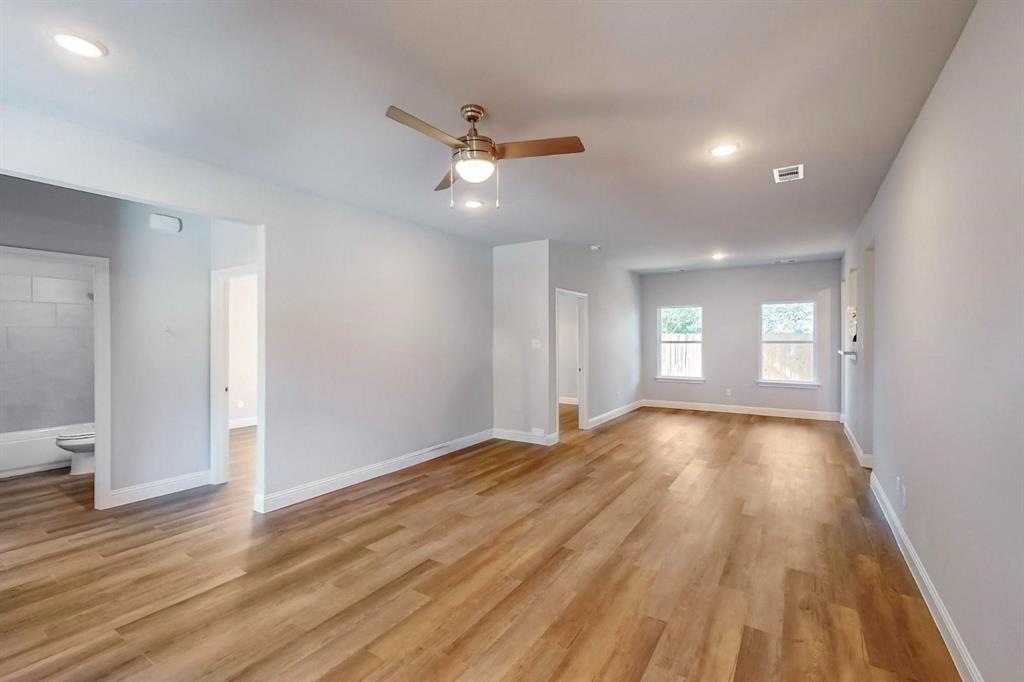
(474, 170)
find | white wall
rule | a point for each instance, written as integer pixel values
(568, 333)
(160, 319)
(346, 292)
(242, 345)
(521, 339)
(731, 299)
(948, 230)
(613, 300)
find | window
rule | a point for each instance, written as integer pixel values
(787, 342)
(679, 342)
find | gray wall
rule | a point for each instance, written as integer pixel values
(521, 338)
(568, 346)
(731, 299)
(46, 349)
(160, 317)
(378, 341)
(613, 300)
(948, 231)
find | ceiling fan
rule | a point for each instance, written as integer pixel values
(475, 156)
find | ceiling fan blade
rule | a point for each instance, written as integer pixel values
(405, 118)
(447, 181)
(552, 145)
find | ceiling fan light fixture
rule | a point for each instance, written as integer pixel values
(474, 170)
(474, 203)
(724, 149)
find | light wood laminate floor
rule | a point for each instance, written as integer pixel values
(663, 546)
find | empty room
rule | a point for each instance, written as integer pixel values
(666, 341)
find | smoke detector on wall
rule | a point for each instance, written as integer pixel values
(788, 173)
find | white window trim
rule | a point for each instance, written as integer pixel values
(788, 384)
(761, 381)
(658, 376)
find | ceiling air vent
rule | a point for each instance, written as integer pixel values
(789, 173)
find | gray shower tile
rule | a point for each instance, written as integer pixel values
(43, 339)
(27, 314)
(55, 290)
(15, 288)
(74, 314)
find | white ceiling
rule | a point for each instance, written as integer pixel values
(296, 91)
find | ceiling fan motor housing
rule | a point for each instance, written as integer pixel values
(477, 147)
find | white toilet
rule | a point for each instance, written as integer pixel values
(82, 447)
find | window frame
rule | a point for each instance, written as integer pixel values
(788, 383)
(658, 375)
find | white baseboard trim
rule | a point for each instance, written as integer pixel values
(954, 642)
(526, 437)
(568, 401)
(241, 422)
(145, 491)
(865, 458)
(743, 409)
(613, 414)
(305, 491)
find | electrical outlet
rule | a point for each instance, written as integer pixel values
(728, 393)
(241, 404)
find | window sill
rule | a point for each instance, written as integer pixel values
(682, 380)
(790, 384)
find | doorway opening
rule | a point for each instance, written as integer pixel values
(848, 349)
(56, 323)
(571, 370)
(235, 383)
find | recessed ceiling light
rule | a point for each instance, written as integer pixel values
(717, 255)
(80, 46)
(473, 203)
(724, 149)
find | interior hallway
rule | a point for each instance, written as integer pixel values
(666, 545)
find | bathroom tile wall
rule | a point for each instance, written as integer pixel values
(46, 356)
